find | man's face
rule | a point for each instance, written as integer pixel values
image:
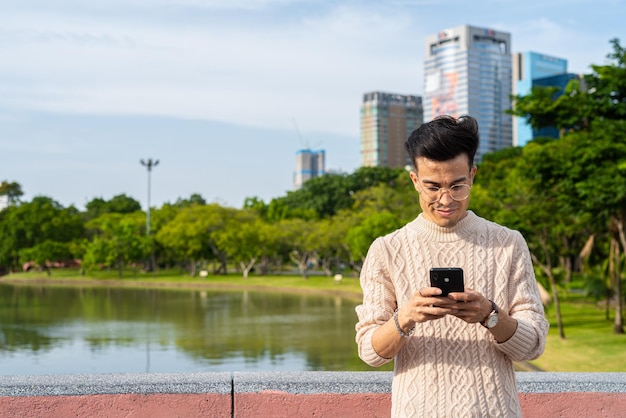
(439, 206)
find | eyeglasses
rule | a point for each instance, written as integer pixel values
(457, 192)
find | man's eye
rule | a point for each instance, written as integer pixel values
(433, 189)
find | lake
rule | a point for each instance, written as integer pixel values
(63, 330)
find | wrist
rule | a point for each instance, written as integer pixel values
(400, 330)
(491, 320)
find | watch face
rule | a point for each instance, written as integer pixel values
(492, 321)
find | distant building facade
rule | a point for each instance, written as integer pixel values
(4, 202)
(532, 69)
(468, 71)
(309, 164)
(387, 120)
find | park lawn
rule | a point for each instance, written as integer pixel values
(348, 286)
(589, 345)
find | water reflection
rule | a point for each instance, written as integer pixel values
(115, 330)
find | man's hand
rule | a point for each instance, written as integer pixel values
(427, 304)
(471, 306)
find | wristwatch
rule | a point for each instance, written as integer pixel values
(492, 319)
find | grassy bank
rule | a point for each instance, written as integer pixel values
(347, 287)
(590, 344)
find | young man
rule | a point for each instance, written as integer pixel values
(453, 354)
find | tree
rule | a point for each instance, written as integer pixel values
(34, 222)
(44, 253)
(296, 241)
(13, 191)
(361, 236)
(599, 185)
(192, 234)
(119, 241)
(590, 115)
(118, 204)
(600, 95)
(194, 199)
(242, 239)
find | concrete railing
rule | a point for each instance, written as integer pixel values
(279, 394)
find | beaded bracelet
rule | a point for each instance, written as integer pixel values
(402, 333)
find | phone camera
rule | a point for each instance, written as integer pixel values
(446, 280)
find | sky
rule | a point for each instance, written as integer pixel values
(223, 93)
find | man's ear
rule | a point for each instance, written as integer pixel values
(414, 179)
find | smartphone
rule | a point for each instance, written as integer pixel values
(448, 279)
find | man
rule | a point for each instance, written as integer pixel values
(453, 354)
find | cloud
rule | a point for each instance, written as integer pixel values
(316, 67)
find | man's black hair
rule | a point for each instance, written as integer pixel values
(443, 139)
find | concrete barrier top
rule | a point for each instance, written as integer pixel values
(307, 382)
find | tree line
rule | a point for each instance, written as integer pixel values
(567, 196)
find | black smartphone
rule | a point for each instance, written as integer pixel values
(448, 279)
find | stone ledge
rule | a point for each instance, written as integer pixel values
(550, 382)
(116, 383)
(289, 382)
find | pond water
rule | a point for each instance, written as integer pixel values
(62, 330)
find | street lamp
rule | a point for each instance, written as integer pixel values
(149, 164)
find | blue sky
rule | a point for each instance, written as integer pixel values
(224, 92)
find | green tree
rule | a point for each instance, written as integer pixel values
(13, 191)
(297, 243)
(242, 239)
(119, 240)
(32, 223)
(46, 252)
(324, 196)
(194, 199)
(599, 185)
(118, 204)
(361, 236)
(600, 95)
(191, 235)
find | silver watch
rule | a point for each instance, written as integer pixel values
(492, 319)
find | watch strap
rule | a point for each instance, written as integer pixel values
(494, 310)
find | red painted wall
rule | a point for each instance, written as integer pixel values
(280, 404)
(114, 406)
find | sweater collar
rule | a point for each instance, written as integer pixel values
(429, 230)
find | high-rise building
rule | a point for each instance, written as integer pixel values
(468, 71)
(309, 164)
(387, 120)
(532, 69)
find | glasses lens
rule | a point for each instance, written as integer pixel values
(457, 192)
(460, 191)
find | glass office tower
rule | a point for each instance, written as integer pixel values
(387, 120)
(532, 69)
(468, 71)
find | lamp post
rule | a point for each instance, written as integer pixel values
(149, 164)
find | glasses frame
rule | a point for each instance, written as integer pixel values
(441, 190)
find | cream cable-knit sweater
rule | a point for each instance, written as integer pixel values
(450, 368)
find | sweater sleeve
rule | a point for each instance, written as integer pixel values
(524, 304)
(378, 304)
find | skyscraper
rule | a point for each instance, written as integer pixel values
(309, 164)
(387, 120)
(532, 69)
(468, 71)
